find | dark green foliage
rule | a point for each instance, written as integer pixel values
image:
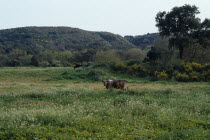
(36, 39)
(34, 61)
(153, 55)
(143, 41)
(203, 34)
(181, 26)
(33, 45)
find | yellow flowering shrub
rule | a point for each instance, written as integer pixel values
(119, 66)
(161, 75)
(189, 67)
(135, 68)
(182, 77)
(138, 69)
(195, 66)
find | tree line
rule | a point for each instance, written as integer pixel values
(182, 37)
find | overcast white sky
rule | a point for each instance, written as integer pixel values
(124, 17)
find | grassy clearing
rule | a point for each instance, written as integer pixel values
(47, 107)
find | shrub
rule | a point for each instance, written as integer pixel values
(58, 65)
(138, 70)
(135, 68)
(182, 77)
(119, 66)
(195, 76)
(189, 67)
(95, 75)
(175, 73)
(206, 75)
(44, 64)
(196, 66)
(161, 75)
(104, 65)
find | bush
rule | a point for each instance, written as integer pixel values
(206, 75)
(206, 67)
(44, 64)
(135, 68)
(182, 77)
(119, 66)
(196, 66)
(195, 76)
(104, 65)
(95, 75)
(161, 75)
(138, 69)
(189, 67)
(58, 65)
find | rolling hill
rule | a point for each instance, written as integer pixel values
(36, 39)
(53, 46)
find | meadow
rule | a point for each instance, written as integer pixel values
(63, 103)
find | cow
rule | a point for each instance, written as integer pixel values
(77, 66)
(108, 83)
(118, 84)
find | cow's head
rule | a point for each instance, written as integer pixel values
(108, 83)
(105, 82)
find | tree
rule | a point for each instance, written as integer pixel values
(134, 54)
(106, 56)
(34, 61)
(153, 55)
(203, 34)
(179, 25)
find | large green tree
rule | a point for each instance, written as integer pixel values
(203, 34)
(179, 25)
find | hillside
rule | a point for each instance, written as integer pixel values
(36, 39)
(64, 46)
(143, 41)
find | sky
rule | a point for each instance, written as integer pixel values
(123, 17)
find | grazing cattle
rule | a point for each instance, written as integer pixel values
(77, 66)
(108, 83)
(118, 84)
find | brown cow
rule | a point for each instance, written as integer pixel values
(120, 84)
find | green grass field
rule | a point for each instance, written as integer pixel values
(62, 103)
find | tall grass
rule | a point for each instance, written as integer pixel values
(84, 113)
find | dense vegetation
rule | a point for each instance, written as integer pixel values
(49, 46)
(63, 103)
(180, 49)
(38, 39)
(183, 28)
(143, 41)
